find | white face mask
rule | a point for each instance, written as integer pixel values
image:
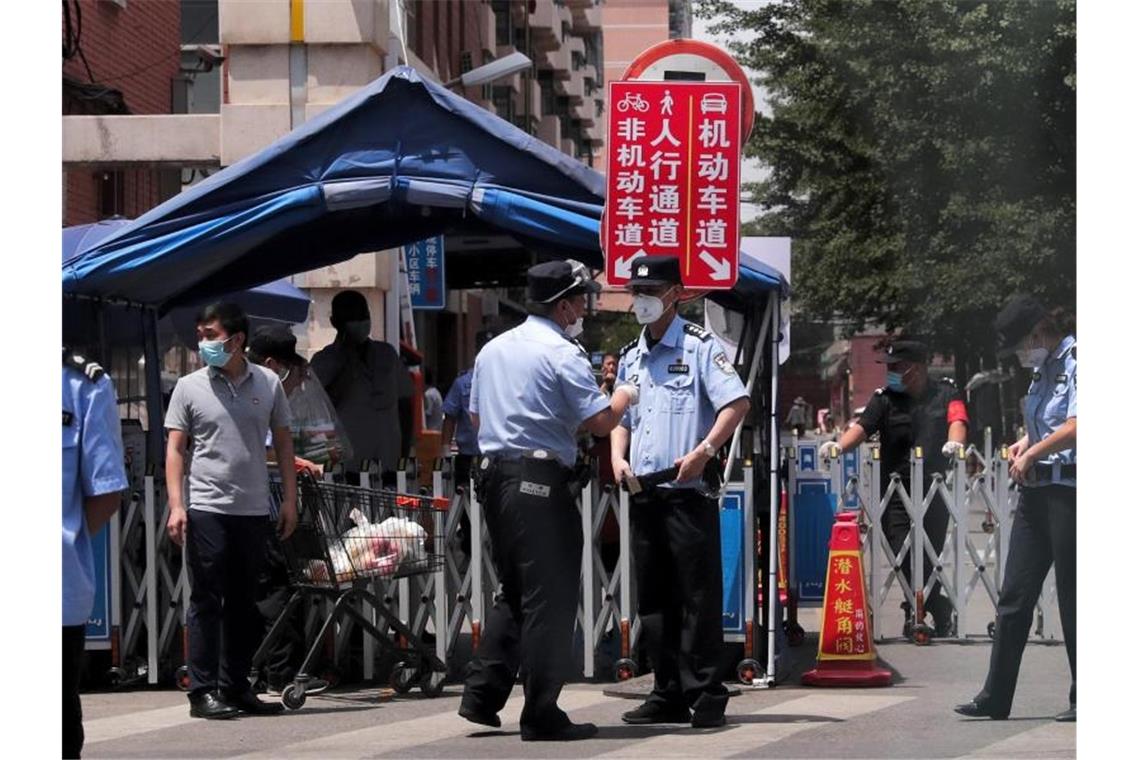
(1031, 358)
(574, 329)
(647, 309)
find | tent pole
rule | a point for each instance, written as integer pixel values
(752, 371)
(153, 370)
(773, 493)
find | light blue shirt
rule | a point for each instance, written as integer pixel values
(684, 380)
(1052, 399)
(455, 407)
(532, 388)
(92, 466)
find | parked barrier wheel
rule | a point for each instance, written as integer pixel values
(431, 684)
(292, 697)
(182, 678)
(991, 627)
(922, 635)
(747, 670)
(404, 677)
(625, 669)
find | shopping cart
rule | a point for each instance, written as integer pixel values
(346, 539)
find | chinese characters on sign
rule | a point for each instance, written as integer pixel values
(845, 634)
(673, 179)
(424, 260)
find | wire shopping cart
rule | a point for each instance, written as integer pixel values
(347, 538)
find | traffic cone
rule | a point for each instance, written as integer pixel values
(846, 649)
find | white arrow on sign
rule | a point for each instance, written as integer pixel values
(720, 269)
(623, 267)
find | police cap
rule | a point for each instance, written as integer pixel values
(655, 270)
(551, 280)
(274, 342)
(1016, 320)
(912, 351)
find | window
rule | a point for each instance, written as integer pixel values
(111, 201)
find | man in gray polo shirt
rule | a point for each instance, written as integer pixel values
(222, 413)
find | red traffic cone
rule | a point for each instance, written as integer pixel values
(846, 649)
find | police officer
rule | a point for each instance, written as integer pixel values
(532, 389)
(93, 481)
(911, 411)
(692, 400)
(1044, 532)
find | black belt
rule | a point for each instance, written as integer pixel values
(1049, 471)
(514, 465)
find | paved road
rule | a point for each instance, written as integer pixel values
(910, 719)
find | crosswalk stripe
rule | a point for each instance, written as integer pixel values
(685, 742)
(394, 736)
(122, 726)
(1047, 741)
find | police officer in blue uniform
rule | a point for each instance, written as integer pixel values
(532, 390)
(1044, 533)
(691, 402)
(93, 480)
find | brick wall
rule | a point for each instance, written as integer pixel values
(134, 50)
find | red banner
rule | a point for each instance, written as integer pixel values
(673, 179)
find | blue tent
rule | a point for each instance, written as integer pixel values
(401, 160)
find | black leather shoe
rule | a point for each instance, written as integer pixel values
(571, 732)
(1069, 716)
(973, 709)
(655, 712)
(248, 703)
(707, 720)
(483, 719)
(211, 707)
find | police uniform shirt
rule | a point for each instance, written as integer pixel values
(904, 422)
(92, 466)
(532, 388)
(685, 379)
(1051, 401)
(455, 407)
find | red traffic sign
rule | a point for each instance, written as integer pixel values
(673, 179)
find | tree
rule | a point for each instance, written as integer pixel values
(922, 155)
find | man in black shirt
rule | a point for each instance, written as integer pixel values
(912, 411)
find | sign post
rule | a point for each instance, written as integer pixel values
(424, 260)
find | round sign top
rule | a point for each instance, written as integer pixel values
(694, 56)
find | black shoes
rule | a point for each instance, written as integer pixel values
(570, 732)
(483, 719)
(1069, 716)
(247, 702)
(210, 707)
(974, 709)
(655, 712)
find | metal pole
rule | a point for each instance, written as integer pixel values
(151, 582)
(755, 366)
(773, 491)
(439, 623)
(589, 644)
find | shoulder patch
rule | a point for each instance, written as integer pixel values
(627, 347)
(948, 381)
(697, 331)
(89, 369)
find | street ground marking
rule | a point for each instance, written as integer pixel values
(129, 724)
(394, 736)
(1052, 740)
(748, 735)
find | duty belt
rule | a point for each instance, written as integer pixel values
(1051, 472)
(513, 463)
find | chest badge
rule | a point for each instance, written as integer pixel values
(1036, 376)
(680, 368)
(1062, 378)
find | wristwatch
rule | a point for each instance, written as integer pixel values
(709, 450)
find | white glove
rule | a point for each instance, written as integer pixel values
(829, 450)
(950, 449)
(631, 391)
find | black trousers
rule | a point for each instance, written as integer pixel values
(225, 555)
(273, 594)
(74, 643)
(536, 539)
(896, 525)
(676, 554)
(1044, 533)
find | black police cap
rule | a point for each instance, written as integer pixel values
(274, 342)
(1016, 320)
(655, 270)
(551, 280)
(912, 351)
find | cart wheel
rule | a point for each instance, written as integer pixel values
(292, 697)
(908, 629)
(182, 678)
(404, 677)
(922, 635)
(991, 627)
(431, 684)
(747, 670)
(794, 633)
(625, 669)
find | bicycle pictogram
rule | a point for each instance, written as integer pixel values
(634, 101)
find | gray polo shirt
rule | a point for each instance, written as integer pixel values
(227, 423)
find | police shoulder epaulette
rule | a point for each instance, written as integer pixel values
(697, 331)
(89, 369)
(627, 347)
(949, 381)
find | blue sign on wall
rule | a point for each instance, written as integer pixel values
(733, 536)
(99, 623)
(426, 273)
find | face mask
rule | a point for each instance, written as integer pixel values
(359, 329)
(895, 381)
(213, 352)
(647, 308)
(1032, 358)
(574, 329)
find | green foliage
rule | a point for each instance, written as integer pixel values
(922, 155)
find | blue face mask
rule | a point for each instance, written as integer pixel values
(213, 352)
(895, 381)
